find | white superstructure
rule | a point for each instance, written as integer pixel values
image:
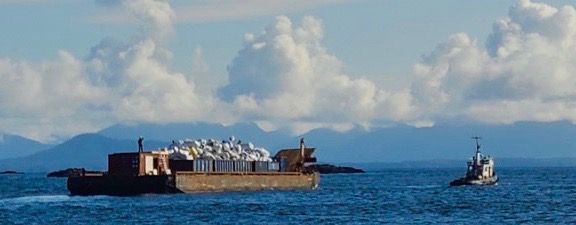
(480, 170)
(480, 167)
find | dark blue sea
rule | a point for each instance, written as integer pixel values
(392, 196)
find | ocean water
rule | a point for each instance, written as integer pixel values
(392, 196)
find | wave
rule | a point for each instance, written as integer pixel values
(35, 199)
(422, 186)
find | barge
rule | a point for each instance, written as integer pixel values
(480, 170)
(135, 173)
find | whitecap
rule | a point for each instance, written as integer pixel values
(35, 199)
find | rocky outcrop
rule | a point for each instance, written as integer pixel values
(327, 168)
(8, 172)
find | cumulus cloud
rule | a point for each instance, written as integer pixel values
(38, 98)
(120, 80)
(137, 72)
(526, 71)
(285, 75)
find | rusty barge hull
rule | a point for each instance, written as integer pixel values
(191, 182)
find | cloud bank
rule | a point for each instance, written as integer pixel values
(525, 73)
(120, 80)
(284, 77)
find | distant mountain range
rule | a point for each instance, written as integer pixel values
(86, 150)
(13, 146)
(520, 144)
(451, 163)
(246, 132)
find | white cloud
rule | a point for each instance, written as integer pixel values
(158, 15)
(525, 73)
(119, 81)
(139, 75)
(287, 77)
(507, 112)
(39, 100)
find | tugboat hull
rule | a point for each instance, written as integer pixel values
(479, 182)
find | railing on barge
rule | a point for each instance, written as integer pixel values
(228, 166)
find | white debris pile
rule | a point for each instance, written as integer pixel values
(211, 149)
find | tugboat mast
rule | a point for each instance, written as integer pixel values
(478, 156)
(477, 144)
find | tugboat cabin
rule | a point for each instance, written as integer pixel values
(480, 166)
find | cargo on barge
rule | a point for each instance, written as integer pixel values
(134, 173)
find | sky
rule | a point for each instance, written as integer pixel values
(70, 67)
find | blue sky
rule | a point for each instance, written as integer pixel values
(80, 66)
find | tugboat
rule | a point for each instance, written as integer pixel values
(480, 170)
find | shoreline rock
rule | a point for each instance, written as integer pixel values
(327, 169)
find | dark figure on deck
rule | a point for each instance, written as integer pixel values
(300, 165)
(140, 148)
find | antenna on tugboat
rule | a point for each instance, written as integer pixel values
(477, 144)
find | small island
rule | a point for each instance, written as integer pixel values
(327, 168)
(8, 172)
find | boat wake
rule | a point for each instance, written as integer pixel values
(26, 201)
(34, 199)
(422, 186)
